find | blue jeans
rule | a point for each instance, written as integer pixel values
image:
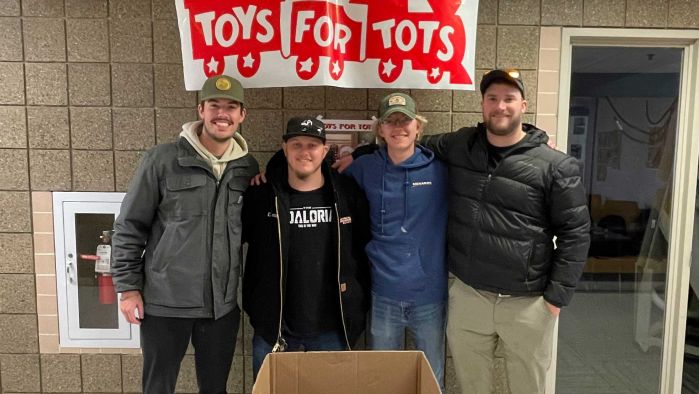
(390, 318)
(328, 341)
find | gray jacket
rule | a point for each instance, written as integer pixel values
(177, 238)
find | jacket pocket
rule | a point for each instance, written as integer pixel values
(184, 195)
(397, 265)
(528, 254)
(175, 272)
(235, 206)
(234, 209)
(174, 288)
(163, 246)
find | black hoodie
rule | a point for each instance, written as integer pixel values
(266, 230)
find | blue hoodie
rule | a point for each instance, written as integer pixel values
(408, 210)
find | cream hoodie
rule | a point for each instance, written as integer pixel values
(236, 149)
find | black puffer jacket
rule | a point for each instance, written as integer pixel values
(502, 221)
(266, 230)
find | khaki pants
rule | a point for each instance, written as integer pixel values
(478, 319)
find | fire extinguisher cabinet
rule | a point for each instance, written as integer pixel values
(88, 308)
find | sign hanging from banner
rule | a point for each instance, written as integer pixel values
(427, 44)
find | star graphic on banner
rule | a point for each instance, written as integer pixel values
(388, 67)
(435, 72)
(248, 61)
(213, 65)
(306, 65)
(336, 67)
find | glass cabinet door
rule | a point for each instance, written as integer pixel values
(92, 303)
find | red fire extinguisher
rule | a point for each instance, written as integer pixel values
(102, 259)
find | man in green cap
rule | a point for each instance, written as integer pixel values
(176, 247)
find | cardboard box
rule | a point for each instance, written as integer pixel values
(351, 372)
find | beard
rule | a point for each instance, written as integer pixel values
(501, 130)
(304, 173)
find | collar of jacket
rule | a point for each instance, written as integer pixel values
(187, 156)
(278, 174)
(535, 136)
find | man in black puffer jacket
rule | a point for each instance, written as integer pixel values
(510, 195)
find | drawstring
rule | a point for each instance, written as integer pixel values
(406, 185)
(383, 190)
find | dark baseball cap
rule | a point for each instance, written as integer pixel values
(510, 76)
(397, 102)
(304, 126)
(222, 87)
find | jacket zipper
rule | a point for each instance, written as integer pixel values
(280, 344)
(339, 285)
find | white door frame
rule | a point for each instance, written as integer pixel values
(685, 171)
(65, 205)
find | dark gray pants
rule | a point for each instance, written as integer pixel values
(164, 341)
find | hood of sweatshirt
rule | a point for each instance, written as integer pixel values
(236, 149)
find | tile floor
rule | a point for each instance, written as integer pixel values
(597, 352)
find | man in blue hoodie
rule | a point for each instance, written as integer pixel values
(407, 192)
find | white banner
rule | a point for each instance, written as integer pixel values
(427, 44)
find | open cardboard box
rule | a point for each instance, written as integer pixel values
(350, 372)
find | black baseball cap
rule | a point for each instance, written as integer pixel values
(511, 76)
(304, 126)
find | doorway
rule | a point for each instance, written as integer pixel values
(624, 113)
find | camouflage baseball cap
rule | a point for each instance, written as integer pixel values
(397, 102)
(222, 87)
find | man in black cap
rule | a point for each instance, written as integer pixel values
(510, 194)
(306, 279)
(176, 247)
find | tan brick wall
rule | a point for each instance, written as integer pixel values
(87, 85)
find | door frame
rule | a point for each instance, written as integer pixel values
(684, 182)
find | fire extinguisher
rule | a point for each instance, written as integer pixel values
(102, 259)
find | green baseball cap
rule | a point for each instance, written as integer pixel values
(222, 87)
(397, 102)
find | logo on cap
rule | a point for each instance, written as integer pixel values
(307, 123)
(223, 84)
(396, 100)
